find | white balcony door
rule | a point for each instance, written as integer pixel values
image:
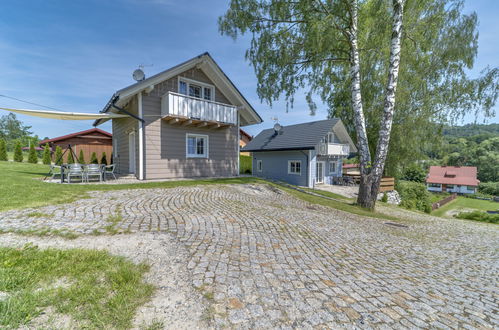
(319, 172)
(131, 152)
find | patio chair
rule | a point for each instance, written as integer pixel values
(93, 170)
(55, 170)
(109, 169)
(75, 170)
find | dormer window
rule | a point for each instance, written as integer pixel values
(196, 89)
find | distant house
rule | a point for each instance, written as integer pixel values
(353, 169)
(304, 154)
(454, 179)
(90, 140)
(244, 139)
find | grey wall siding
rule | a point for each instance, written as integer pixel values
(275, 166)
(165, 144)
(121, 127)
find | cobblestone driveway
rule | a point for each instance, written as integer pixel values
(266, 259)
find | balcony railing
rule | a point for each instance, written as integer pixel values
(334, 149)
(179, 105)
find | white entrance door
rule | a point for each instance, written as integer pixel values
(131, 152)
(319, 172)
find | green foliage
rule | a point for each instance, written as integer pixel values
(414, 195)
(58, 156)
(97, 289)
(32, 156)
(93, 158)
(18, 153)
(415, 173)
(384, 199)
(3, 150)
(479, 216)
(81, 158)
(70, 159)
(46, 159)
(103, 159)
(489, 188)
(13, 129)
(245, 164)
(300, 45)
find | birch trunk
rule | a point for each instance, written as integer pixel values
(369, 185)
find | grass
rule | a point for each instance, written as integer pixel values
(27, 190)
(462, 203)
(95, 289)
(245, 164)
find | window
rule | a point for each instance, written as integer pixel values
(259, 166)
(196, 89)
(434, 185)
(197, 146)
(332, 167)
(294, 167)
(450, 186)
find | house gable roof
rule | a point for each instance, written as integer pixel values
(204, 62)
(461, 175)
(298, 137)
(107, 135)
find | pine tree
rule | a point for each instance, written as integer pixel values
(103, 159)
(3, 150)
(81, 158)
(58, 156)
(71, 159)
(32, 156)
(18, 153)
(93, 158)
(46, 159)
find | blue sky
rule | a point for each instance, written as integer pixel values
(72, 55)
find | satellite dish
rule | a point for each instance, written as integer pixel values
(277, 127)
(138, 75)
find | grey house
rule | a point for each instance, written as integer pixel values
(304, 154)
(183, 122)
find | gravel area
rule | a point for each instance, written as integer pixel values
(175, 303)
(264, 259)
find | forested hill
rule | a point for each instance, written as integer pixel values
(471, 130)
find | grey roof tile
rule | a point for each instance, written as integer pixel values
(292, 137)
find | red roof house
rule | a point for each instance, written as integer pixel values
(460, 179)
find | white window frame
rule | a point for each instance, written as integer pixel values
(199, 83)
(259, 165)
(206, 146)
(289, 167)
(335, 162)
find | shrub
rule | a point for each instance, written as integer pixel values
(479, 216)
(93, 158)
(489, 188)
(46, 159)
(32, 156)
(414, 195)
(103, 159)
(81, 158)
(58, 156)
(18, 153)
(414, 173)
(384, 199)
(3, 150)
(245, 164)
(71, 158)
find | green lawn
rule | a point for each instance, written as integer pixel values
(92, 287)
(21, 187)
(466, 203)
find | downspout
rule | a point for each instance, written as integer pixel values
(239, 147)
(307, 155)
(141, 137)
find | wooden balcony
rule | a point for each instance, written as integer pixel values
(337, 149)
(190, 111)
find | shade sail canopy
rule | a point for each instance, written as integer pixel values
(62, 115)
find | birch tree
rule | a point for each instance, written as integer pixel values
(322, 45)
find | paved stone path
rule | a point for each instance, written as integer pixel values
(266, 259)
